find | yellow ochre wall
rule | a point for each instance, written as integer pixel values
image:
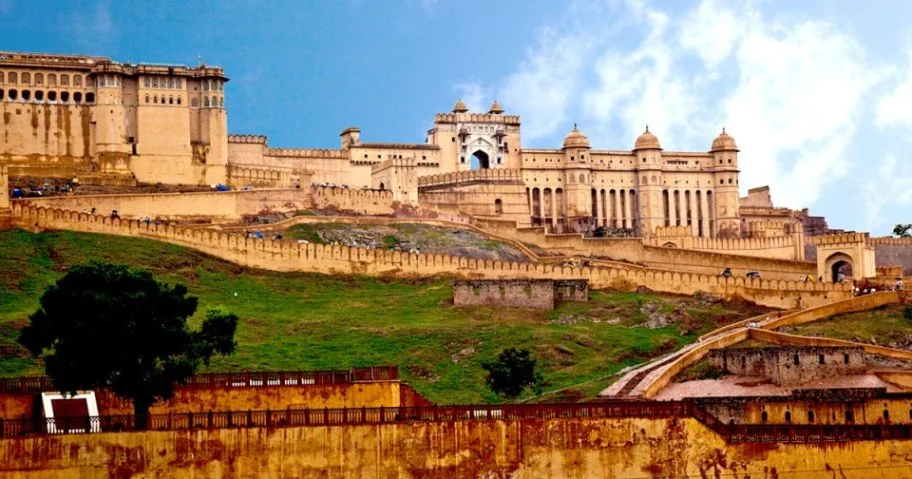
(519, 449)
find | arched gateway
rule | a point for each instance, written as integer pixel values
(845, 257)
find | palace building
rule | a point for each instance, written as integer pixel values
(105, 122)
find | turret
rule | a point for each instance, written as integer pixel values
(578, 178)
(648, 153)
(726, 210)
(350, 136)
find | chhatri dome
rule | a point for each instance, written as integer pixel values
(647, 141)
(576, 139)
(495, 108)
(724, 142)
(460, 107)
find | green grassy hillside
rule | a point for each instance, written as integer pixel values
(310, 321)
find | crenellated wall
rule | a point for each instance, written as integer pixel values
(292, 256)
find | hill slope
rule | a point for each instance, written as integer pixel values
(310, 321)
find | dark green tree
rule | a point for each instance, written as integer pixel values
(109, 326)
(513, 371)
(903, 230)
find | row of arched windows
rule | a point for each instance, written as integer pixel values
(26, 78)
(811, 417)
(157, 82)
(50, 96)
(212, 85)
(170, 100)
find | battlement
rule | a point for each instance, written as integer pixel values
(50, 59)
(397, 146)
(889, 240)
(284, 255)
(306, 153)
(512, 120)
(838, 239)
(393, 163)
(257, 139)
(471, 176)
(671, 232)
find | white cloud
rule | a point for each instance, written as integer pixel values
(893, 108)
(789, 89)
(888, 187)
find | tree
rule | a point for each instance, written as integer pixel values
(513, 371)
(903, 230)
(109, 326)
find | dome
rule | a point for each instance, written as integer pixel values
(576, 139)
(647, 141)
(495, 108)
(460, 107)
(724, 142)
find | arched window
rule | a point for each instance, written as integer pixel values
(886, 415)
(155, 99)
(65, 96)
(52, 79)
(155, 82)
(170, 83)
(26, 95)
(77, 97)
(39, 79)
(205, 86)
(13, 77)
(64, 80)
(26, 78)
(205, 101)
(194, 103)
(1, 77)
(146, 82)
(39, 95)
(1, 99)
(582, 178)
(498, 206)
(13, 94)
(788, 416)
(221, 102)
(849, 416)
(170, 100)
(77, 80)
(52, 96)
(810, 416)
(179, 83)
(764, 416)
(147, 98)
(90, 97)
(178, 100)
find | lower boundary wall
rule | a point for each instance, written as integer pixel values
(278, 255)
(631, 448)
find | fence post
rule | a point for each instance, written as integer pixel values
(209, 419)
(268, 418)
(249, 418)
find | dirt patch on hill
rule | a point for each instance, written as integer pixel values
(407, 237)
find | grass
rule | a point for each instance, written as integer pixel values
(885, 324)
(309, 321)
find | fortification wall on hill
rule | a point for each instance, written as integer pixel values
(677, 259)
(780, 247)
(280, 255)
(222, 204)
(622, 448)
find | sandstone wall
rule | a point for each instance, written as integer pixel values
(221, 204)
(516, 448)
(292, 256)
(536, 294)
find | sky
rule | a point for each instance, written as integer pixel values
(817, 93)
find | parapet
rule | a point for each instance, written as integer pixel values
(260, 139)
(476, 118)
(471, 176)
(842, 238)
(393, 163)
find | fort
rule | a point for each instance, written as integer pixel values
(636, 219)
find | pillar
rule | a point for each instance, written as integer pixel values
(628, 208)
(704, 215)
(672, 209)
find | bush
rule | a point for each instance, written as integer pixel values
(513, 371)
(907, 313)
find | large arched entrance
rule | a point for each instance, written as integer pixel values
(480, 160)
(839, 267)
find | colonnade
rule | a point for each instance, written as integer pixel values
(692, 208)
(615, 208)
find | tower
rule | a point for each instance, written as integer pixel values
(726, 207)
(648, 198)
(578, 178)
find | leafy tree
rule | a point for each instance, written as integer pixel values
(108, 326)
(903, 230)
(513, 371)
(907, 313)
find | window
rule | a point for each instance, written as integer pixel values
(178, 100)
(788, 416)
(13, 78)
(77, 80)
(155, 99)
(39, 79)
(26, 95)
(64, 80)
(52, 80)
(1, 77)
(498, 206)
(1, 94)
(206, 101)
(39, 95)
(811, 416)
(65, 96)
(849, 416)
(90, 98)
(886, 415)
(170, 100)
(52, 96)
(845, 358)
(763, 416)
(795, 359)
(820, 359)
(221, 102)
(147, 98)
(178, 82)
(26, 78)
(77, 97)
(146, 82)
(194, 103)
(13, 94)
(170, 83)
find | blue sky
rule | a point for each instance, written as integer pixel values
(818, 93)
